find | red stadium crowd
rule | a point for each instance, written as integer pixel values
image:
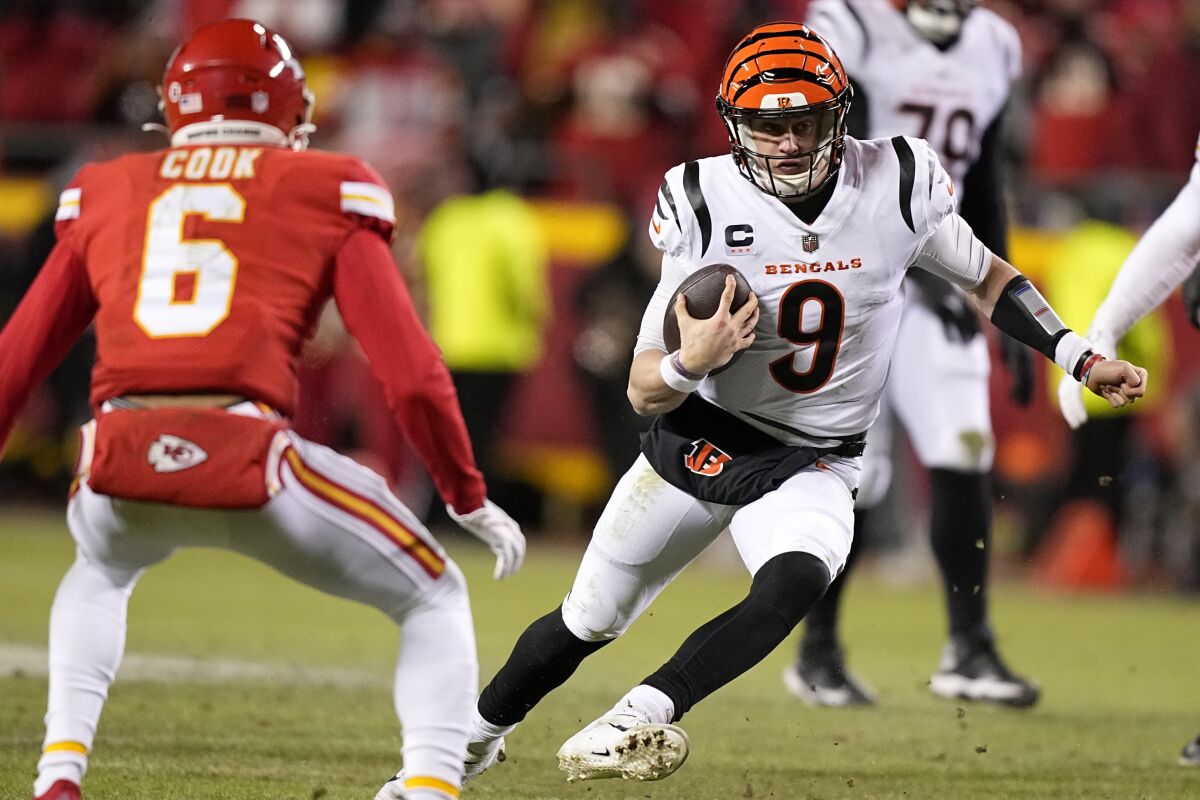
(579, 106)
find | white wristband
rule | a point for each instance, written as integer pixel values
(1069, 350)
(672, 378)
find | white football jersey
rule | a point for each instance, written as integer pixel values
(829, 293)
(948, 97)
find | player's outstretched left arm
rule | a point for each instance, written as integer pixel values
(1017, 308)
(379, 313)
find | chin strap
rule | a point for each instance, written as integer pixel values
(298, 136)
(151, 127)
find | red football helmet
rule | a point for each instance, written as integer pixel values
(237, 69)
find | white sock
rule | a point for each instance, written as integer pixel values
(485, 734)
(426, 794)
(647, 704)
(59, 767)
(87, 639)
(436, 676)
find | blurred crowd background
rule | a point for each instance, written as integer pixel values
(524, 141)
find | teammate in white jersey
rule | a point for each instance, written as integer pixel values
(1160, 262)
(940, 70)
(824, 228)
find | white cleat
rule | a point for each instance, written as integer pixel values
(481, 757)
(393, 789)
(611, 747)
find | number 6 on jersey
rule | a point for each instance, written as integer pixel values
(186, 285)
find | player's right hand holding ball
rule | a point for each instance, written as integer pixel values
(707, 344)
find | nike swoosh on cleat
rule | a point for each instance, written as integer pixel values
(604, 752)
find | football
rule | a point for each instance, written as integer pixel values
(703, 290)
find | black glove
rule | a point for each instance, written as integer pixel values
(939, 296)
(1191, 298)
(1019, 363)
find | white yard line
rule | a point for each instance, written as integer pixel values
(30, 660)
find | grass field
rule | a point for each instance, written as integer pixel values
(274, 691)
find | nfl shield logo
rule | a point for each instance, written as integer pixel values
(810, 242)
(260, 102)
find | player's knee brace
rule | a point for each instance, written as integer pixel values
(593, 616)
(790, 584)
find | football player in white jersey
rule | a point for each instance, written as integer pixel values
(1160, 262)
(824, 227)
(939, 70)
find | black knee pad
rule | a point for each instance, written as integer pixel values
(790, 584)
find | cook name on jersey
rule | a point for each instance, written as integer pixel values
(829, 292)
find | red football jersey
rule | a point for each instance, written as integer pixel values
(210, 264)
(205, 268)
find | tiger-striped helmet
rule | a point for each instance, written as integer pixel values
(781, 77)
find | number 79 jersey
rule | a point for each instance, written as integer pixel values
(829, 293)
(211, 263)
(948, 96)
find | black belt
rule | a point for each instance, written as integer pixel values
(712, 455)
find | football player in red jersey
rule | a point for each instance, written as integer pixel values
(203, 267)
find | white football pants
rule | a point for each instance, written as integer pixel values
(335, 526)
(650, 531)
(938, 389)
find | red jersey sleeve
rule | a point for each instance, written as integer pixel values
(57, 308)
(379, 313)
(70, 206)
(366, 200)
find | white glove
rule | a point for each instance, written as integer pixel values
(1102, 341)
(1070, 401)
(500, 532)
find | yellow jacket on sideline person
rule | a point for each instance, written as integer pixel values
(485, 268)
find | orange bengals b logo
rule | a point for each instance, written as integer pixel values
(706, 458)
(785, 102)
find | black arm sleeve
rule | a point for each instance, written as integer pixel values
(983, 197)
(1024, 314)
(858, 122)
